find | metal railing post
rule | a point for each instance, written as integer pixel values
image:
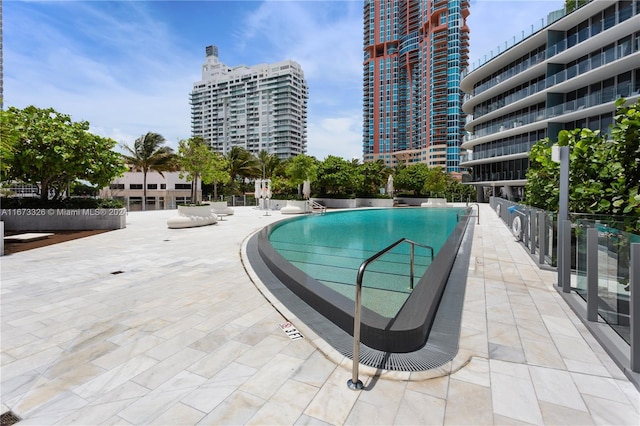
(592, 274)
(634, 307)
(411, 257)
(354, 383)
(565, 268)
(525, 227)
(542, 236)
(534, 231)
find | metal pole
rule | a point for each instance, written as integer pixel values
(563, 212)
(525, 226)
(634, 307)
(566, 256)
(533, 217)
(411, 256)
(354, 383)
(592, 274)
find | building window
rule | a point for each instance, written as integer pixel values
(152, 186)
(116, 186)
(135, 186)
(183, 186)
(163, 186)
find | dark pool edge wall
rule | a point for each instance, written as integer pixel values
(408, 331)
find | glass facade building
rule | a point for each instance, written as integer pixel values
(567, 75)
(414, 54)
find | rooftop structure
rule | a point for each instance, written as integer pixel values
(567, 75)
(262, 107)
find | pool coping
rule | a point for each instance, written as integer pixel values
(443, 331)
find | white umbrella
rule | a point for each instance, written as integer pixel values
(256, 192)
(306, 189)
(390, 185)
(268, 186)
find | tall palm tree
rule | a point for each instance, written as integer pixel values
(268, 164)
(241, 164)
(150, 154)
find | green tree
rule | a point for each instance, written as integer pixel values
(412, 178)
(436, 182)
(241, 164)
(336, 176)
(9, 137)
(198, 161)
(372, 176)
(149, 153)
(52, 151)
(300, 168)
(571, 5)
(269, 164)
(604, 174)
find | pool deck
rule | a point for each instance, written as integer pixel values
(150, 325)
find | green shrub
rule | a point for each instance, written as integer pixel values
(67, 203)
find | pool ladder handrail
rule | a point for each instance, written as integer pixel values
(314, 205)
(354, 383)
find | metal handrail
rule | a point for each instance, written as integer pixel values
(315, 205)
(354, 383)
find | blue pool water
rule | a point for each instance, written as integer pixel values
(331, 247)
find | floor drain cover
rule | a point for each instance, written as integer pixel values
(117, 272)
(8, 419)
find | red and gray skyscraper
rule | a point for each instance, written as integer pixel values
(414, 55)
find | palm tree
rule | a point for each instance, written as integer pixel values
(268, 164)
(241, 164)
(150, 154)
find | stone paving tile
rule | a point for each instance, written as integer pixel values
(206, 348)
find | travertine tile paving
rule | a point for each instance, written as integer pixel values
(183, 336)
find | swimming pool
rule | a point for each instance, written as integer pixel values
(331, 248)
(330, 294)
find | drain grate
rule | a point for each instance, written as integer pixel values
(117, 272)
(8, 419)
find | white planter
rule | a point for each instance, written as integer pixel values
(221, 207)
(191, 216)
(294, 207)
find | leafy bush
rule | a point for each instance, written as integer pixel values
(67, 203)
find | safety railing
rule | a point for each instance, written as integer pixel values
(354, 383)
(314, 205)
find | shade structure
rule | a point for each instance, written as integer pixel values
(306, 189)
(390, 185)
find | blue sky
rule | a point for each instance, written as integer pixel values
(128, 66)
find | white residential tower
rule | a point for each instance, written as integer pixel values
(262, 107)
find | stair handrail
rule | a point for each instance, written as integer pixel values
(315, 205)
(354, 383)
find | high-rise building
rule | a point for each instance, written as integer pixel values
(262, 107)
(414, 55)
(564, 76)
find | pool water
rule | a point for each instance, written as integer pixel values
(331, 248)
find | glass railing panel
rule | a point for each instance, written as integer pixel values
(613, 270)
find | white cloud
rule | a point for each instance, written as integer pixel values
(340, 136)
(133, 81)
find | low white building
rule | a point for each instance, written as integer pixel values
(163, 192)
